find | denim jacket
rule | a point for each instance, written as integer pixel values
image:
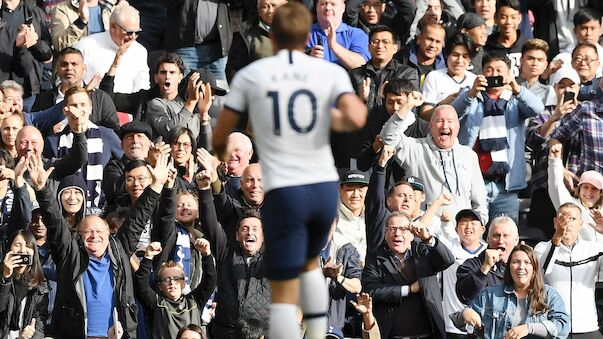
(497, 305)
(519, 108)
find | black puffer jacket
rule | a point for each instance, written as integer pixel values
(243, 289)
(69, 254)
(36, 306)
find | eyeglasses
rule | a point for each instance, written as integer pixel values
(129, 33)
(376, 42)
(168, 280)
(395, 229)
(367, 6)
(185, 145)
(580, 59)
(133, 180)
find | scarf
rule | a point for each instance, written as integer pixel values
(493, 133)
(93, 171)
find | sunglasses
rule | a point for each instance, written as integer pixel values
(129, 33)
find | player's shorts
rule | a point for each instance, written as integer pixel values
(296, 221)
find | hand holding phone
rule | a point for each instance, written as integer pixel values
(568, 96)
(496, 81)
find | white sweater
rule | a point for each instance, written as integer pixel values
(576, 284)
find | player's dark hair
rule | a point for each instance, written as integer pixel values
(584, 15)
(496, 56)
(399, 86)
(291, 26)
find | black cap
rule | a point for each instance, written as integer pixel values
(469, 20)
(206, 76)
(355, 177)
(135, 127)
(467, 213)
(415, 183)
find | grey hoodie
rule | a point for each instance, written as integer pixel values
(456, 170)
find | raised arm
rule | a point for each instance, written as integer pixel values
(144, 293)
(74, 160)
(142, 209)
(20, 215)
(210, 276)
(209, 221)
(557, 191)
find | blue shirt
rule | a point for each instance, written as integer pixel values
(95, 24)
(351, 38)
(98, 285)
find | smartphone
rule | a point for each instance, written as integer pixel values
(496, 81)
(568, 96)
(25, 258)
(75, 3)
(29, 20)
(319, 40)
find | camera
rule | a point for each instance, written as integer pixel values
(496, 81)
(25, 258)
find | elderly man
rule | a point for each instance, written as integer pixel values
(70, 70)
(401, 278)
(438, 159)
(488, 269)
(100, 50)
(102, 143)
(93, 268)
(239, 151)
(335, 41)
(585, 60)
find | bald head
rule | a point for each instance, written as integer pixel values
(444, 126)
(95, 233)
(238, 153)
(252, 184)
(29, 139)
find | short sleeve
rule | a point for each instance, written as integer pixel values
(236, 99)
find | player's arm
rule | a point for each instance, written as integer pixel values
(227, 121)
(349, 115)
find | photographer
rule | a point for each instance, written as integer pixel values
(492, 115)
(22, 285)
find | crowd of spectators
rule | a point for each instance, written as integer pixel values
(117, 219)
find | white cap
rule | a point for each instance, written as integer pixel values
(565, 72)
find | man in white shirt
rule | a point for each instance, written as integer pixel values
(119, 42)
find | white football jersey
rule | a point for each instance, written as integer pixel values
(289, 98)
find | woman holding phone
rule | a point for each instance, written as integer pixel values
(23, 290)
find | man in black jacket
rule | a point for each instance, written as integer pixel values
(94, 258)
(71, 70)
(243, 289)
(488, 269)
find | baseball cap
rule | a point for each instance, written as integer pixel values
(467, 213)
(591, 177)
(334, 332)
(207, 77)
(415, 183)
(135, 127)
(565, 72)
(354, 177)
(469, 21)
